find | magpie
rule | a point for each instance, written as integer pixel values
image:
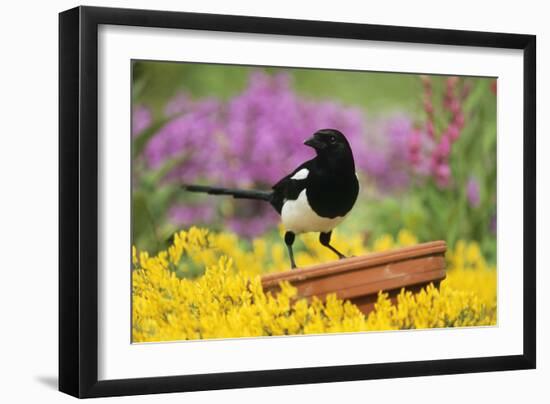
(315, 197)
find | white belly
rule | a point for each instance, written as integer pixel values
(298, 217)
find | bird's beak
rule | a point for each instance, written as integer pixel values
(315, 143)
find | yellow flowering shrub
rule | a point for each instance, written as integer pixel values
(228, 301)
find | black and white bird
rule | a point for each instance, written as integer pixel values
(315, 197)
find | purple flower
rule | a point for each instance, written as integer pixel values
(189, 215)
(267, 123)
(472, 191)
(141, 119)
(263, 219)
(190, 138)
(389, 152)
(256, 137)
(179, 104)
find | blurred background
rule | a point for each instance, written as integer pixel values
(425, 149)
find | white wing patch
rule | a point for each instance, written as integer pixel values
(300, 175)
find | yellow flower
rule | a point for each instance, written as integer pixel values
(405, 238)
(383, 243)
(227, 301)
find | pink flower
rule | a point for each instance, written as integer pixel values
(452, 82)
(430, 129)
(472, 191)
(428, 107)
(443, 149)
(459, 120)
(415, 144)
(466, 90)
(454, 106)
(426, 81)
(453, 132)
(442, 175)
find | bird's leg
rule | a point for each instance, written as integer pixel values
(289, 240)
(324, 239)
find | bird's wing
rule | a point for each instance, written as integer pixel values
(289, 187)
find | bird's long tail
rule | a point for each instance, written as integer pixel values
(235, 193)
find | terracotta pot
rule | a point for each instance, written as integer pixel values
(359, 279)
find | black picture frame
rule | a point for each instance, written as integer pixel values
(78, 201)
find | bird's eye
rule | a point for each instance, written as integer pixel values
(333, 139)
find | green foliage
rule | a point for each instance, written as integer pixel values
(434, 213)
(427, 210)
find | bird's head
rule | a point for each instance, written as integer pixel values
(330, 142)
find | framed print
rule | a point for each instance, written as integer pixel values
(251, 201)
